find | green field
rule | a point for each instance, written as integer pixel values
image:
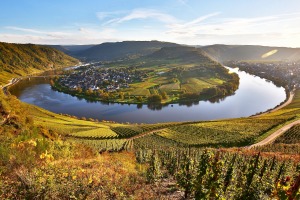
(195, 85)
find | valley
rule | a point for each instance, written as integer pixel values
(75, 156)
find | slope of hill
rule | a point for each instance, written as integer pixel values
(181, 54)
(23, 59)
(71, 49)
(121, 50)
(223, 53)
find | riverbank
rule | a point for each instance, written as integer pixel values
(282, 105)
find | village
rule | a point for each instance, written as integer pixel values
(95, 77)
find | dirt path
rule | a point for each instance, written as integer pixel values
(291, 97)
(11, 82)
(274, 135)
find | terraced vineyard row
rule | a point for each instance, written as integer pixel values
(288, 143)
(113, 145)
(291, 136)
(237, 132)
(215, 174)
(155, 141)
(99, 133)
(132, 130)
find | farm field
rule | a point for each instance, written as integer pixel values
(160, 82)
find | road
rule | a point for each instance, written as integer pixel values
(274, 135)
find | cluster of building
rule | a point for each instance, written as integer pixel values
(107, 79)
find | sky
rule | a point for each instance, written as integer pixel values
(192, 22)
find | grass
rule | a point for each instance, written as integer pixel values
(70, 126)
(170, 86)
(139, 91)
(195, 85)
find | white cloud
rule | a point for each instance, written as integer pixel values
(275, 30)
(23, 29)
(253, 28)
(143, 14)
(104, 15)
(80, 35)
(39, 32)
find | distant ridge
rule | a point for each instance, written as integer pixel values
(121, 50)
(223, 53)
(71, 49)
(111, 51)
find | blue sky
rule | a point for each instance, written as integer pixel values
(195, 22)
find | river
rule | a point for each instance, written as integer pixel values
(253, 96)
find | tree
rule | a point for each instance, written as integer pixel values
(139, 98)
(89, 92)
(155, 98)
(79, 89)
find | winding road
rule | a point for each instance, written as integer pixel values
(274, 135)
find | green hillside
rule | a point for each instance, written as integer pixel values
(121, 50)
(23, 59)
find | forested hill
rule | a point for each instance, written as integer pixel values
(182, 54)
(22, 59)
(71, 49)
(121, 50)
(223, 53)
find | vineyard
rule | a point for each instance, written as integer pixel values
(99, 133)
(292, 136)
(215, 174)
(127, 131)
(226, 133)
(153, 141)
(288, 143)
(110, 145)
